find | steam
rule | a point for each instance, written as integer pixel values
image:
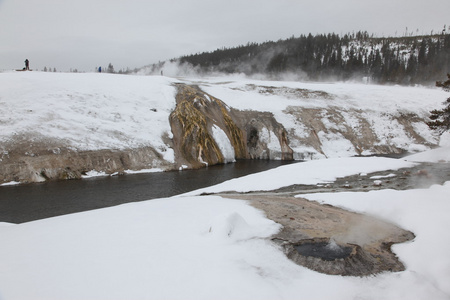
(171, 68)
(434, 167)
(361, 231)
(175, 68)
(334, 247)
(426, 177)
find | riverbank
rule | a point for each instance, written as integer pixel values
(29, 202)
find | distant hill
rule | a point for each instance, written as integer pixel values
(400, 60)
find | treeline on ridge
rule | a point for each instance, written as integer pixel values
(402, 60)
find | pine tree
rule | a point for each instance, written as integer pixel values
(110, 68)
(440, 119)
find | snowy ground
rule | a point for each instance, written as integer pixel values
(93, 111)
(205, 247)
(87, 111)
(208, 247)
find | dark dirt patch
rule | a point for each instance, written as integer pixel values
(307, 221)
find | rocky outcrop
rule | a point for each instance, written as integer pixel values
(206, 131)
(199, 116)
(265, 137)
(192, 122)
(321, 124)
(44, 160)
(323, 131)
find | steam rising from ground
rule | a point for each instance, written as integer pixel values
(175, 68)
(430, 175)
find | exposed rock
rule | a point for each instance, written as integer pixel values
(192, 121)
(252, 134)
(328, 124)
(48, 160)
(265, 137)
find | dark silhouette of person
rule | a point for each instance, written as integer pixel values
(27, 64)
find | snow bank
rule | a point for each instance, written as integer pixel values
(311, 172)
(441, 154)
(160, 249)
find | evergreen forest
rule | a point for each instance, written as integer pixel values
(409, 59)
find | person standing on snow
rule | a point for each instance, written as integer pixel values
(27, 64)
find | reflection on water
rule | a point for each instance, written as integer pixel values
(23, 203)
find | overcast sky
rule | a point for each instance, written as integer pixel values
(85, 34)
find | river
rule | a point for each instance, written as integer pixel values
(29, 202)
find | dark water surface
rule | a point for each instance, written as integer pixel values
(24, 203)
(323, 251)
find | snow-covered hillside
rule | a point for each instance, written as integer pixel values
(52, 116)
(86, 111)
(337, 110)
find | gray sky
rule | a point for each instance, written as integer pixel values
(84, 34)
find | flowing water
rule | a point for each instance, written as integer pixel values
(24, 203)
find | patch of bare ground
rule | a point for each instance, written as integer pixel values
(366, 239)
